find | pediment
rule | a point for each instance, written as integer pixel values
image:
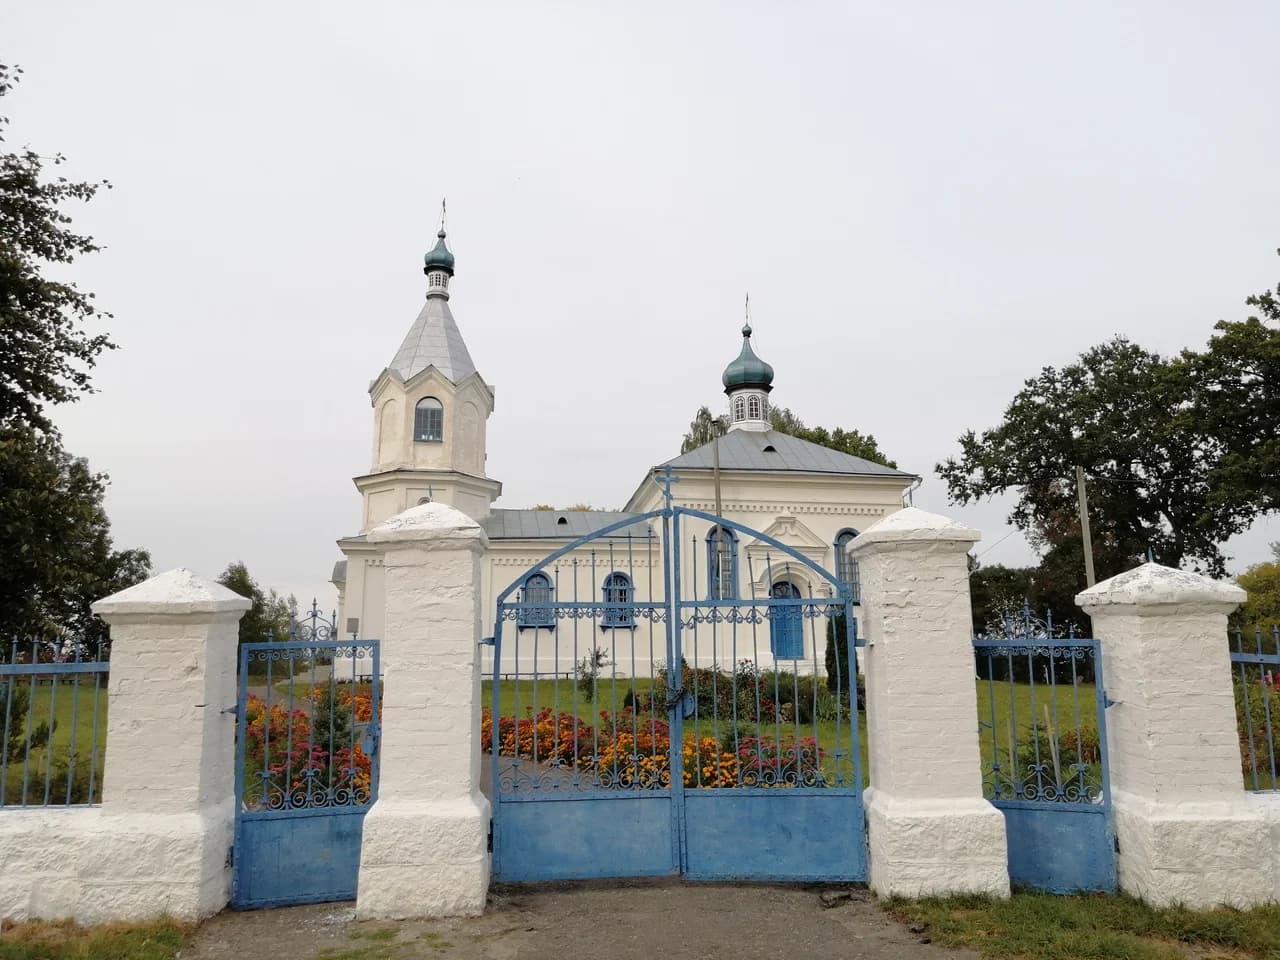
(789, 530)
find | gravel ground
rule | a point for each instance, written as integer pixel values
(618, 921)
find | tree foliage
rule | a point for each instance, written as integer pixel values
(45, 352)
(1237, 401)
(1262, 609)
(705, 427)
(1126, 415)
(54, 534)
(56, 539)
(268, 619)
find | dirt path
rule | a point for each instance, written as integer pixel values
(633, 921)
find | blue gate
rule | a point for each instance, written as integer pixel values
(306, 768)
(658, 707)
(1043, 728)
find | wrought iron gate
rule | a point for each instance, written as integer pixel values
(1043, 728)
(660, 704)
(306, 768)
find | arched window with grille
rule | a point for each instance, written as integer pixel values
(846, 566)
(428, 420)
(739, 408)
(536, 599)
(619, 590)
(722, 564)
(753, 408)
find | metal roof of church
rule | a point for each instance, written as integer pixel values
(557, 524)
(773, 452)
(434, 341)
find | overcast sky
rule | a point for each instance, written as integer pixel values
(927, 206)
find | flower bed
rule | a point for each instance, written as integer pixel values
(627, 750)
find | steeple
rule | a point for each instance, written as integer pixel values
(434, 339)
(747, 382)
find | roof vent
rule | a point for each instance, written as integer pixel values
(770, 448)
(562, 522)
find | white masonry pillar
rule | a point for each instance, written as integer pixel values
(425, 846)
(1186, 831)
(930, 830)
(168, 789)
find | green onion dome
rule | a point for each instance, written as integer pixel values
(439, 258)
(747, 370)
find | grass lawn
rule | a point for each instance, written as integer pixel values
(1032, 926)
(158, 940)
(74, 713)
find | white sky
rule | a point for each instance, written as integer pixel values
(927, 206)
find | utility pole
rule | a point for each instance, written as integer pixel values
(1082, 497)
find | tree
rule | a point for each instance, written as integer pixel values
(55, 538)
(54, 534)
(706, 427)
(1237, 380)
(268, 619)
(1127, 416)
(1262, 609)
(45, 354)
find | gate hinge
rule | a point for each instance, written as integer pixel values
(489, 842)
(231, 856)
(486, 641)
(234, 710)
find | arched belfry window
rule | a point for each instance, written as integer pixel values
(753, 408)
(846, 566)
(722, 564)
(618, 589)
(739, 408)
(428, 420)
(536, 599)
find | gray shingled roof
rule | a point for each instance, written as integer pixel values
(434, 341)
(749, 450)
(547, 525)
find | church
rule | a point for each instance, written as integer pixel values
(430, 410)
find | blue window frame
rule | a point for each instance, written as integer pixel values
(537, 597)
(722, 564)
(846, 566)
(428, 421)
(786, 625)
(618, 589)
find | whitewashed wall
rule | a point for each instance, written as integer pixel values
(158, 844)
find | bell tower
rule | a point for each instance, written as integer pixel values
(430, 410)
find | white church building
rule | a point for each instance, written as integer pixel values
(430, 410)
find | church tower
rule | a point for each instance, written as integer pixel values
(747, 382)
(430, 408)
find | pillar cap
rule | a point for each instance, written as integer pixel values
(427, 522)
(913, 525)
(178, 591)
(1153, 585)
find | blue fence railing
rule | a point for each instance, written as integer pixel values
(53, 721)
(1255, 665)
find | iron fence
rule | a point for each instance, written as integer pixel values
(1255, 663)
(53, 693)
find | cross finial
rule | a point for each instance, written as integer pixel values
(443, 215)
(665, 479)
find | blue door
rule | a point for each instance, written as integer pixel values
(786, 624)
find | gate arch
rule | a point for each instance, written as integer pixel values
(657, 728)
